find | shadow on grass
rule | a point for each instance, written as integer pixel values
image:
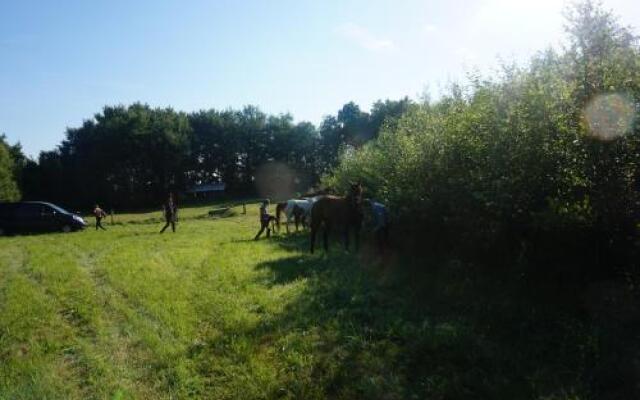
(300, 241)
(294, 241)
(289, 269)
(361, 328)
(351, 326)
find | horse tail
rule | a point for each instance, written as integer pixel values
(316, 215)
(279, 208)
(313, 230)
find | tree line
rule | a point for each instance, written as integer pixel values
(130, 156)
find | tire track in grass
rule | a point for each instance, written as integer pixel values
(136, 312)
(36, 331)
(123, 317)
(180, 274)
(144, 331)
(112, 340)
(129, 331)
(84, 353)
(70, 291)
(85, 317)
(117, 306)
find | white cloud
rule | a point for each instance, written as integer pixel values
(363, 37)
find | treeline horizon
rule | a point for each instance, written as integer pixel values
(130, 156)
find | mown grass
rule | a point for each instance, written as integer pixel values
(209, 313)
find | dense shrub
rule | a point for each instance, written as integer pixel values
(539, 163)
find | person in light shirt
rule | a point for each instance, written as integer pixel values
(265, 219)
(99, 214)
(380, 223)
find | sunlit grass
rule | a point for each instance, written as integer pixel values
(132, 313)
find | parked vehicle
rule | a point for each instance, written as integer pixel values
(37, 216)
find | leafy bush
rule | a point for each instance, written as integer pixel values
(538, 163)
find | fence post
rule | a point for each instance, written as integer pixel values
(244, 208)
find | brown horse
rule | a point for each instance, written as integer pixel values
(333, 211)
(321, 192)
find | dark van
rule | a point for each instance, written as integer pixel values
(37, 216)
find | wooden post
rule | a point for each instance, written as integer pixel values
(244, 208)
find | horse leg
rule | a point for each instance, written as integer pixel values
(346, 238)
(326, 237)
(385, 235)
(378, 239)
(357, 238)
(314, 230)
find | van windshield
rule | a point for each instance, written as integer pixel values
(58, 209)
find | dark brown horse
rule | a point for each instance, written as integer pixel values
(341, 212)
(321, 192)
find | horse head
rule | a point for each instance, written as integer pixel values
(355, 195)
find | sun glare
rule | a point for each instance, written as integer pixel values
(609, 116)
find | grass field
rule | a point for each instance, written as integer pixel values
(209, 313)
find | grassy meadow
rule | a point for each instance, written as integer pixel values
(207, 312)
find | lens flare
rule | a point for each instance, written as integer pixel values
(275, 181)
(609, 116)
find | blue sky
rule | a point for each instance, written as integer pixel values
(62, 61)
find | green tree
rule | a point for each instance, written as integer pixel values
(8, 186)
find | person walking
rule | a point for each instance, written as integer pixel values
(170, 213)
(265, 219)
(99, 214)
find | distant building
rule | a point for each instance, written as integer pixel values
(206, 190)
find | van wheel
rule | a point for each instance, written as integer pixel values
(66, 228)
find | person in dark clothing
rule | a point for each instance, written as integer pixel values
(380, 224)
(170, 213)
(99, 214)
(265, 219)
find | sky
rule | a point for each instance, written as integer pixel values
(62, 61)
